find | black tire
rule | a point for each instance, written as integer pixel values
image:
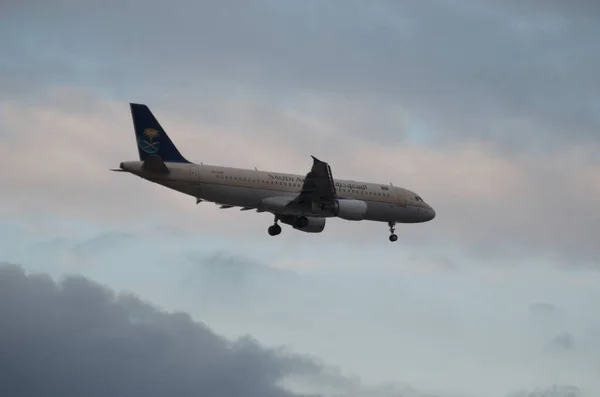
(274, 230)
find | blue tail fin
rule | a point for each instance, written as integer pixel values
(151, 138)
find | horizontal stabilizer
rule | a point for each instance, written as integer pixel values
(154, 164)
(246, 208)
(117, 170)
(226, 206)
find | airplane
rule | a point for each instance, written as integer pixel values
(303, 202)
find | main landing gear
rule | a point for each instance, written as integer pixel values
(393, 236)
(274, 229)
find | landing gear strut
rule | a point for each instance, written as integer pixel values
(274, 229)
(393, 236)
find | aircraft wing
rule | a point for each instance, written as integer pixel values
(318, 184)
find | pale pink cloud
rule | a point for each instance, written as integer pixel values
(60, 158)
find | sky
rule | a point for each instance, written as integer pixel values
(488, 109)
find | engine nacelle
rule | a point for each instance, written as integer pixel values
(350, 210)
(307, 224)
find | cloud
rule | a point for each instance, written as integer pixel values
(563, 341)
(452, 331)
(78, 337)
(554, 391)
(542, 309)
(502, 204)
(525, 80)
(488, 109)
(498, 130)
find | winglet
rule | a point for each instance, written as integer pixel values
(319, 181)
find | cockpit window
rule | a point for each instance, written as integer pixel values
(418, 198)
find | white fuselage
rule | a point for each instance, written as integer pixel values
(250, 188)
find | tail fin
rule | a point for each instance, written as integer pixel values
(150, 136)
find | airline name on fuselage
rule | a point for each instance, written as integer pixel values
(300, 179)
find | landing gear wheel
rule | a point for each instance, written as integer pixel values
(274, 230)
(393, 236)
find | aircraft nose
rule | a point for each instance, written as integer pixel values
(430, 213)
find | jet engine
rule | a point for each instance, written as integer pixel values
(307, 224)
(350, 210)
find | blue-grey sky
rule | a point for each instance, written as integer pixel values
(488, 109)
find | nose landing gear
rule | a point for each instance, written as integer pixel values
(393, 236)
(274, 229)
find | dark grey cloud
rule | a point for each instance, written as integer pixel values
(519, 74)
(72, 336)
(76, 337)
